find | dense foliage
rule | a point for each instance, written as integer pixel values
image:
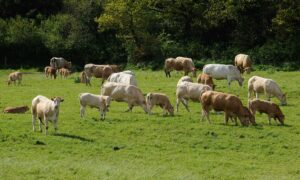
(145, 32)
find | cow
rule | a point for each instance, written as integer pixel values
(179, 64)
(243, 63)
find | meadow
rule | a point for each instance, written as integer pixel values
(134, 145)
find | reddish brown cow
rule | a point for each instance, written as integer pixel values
(269, 108)
(230, 104)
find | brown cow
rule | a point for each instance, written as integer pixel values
(13, 77)
(179, 64)
(230, 104)
(269, 108)
(18, 109)
(206, 79)
(161, 100)
(98, 71)
(50, 71)
(64, 72)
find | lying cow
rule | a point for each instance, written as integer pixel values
(126, 77)
(94, 101)
(222, 71)
(243, 63)
(267, 86)
(269, 108)
(60, 62)
(161, 100)
(179, 64)
(230, 104)
(206, 79)
(125, 93)
(46, 110)
(188, 90)
(18, 109)
(13, 77)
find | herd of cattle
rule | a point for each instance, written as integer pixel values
(121, 86)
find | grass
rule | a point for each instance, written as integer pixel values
(138, 146)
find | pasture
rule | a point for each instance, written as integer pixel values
(134, 145)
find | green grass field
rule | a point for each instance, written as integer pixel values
(138, 146)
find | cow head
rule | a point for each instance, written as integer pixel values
(57, 101)
(248, 70)
(283, 99)
(241, 80)
(280, 118)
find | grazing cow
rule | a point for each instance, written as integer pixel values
(269, 108)
(13, 77)
(45, 109)
(59, 62)
(243, 63)
(98, 71)
(83, 78)
(94, 101)
(222, 71)
(18, 109)
(179, 64)
(125, 77)
(64, 72)
(50, 71)
(230, 104)
(267, 86)
(161, 100)
(206, 79)
(188, 90)
(184, 79)
(125, 93)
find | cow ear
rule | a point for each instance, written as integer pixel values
(52, 99)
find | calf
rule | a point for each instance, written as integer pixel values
(13, 77)
(206, 79)
(230, 104)
(269, 108)
(161, 100)
(64, 72)
(50, 71)
(46, 110)
(94, 101)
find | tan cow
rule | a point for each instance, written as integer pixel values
(13, 77)
(161, 100)
(206, 79)
(50, 71)
(230, 104)
(64, 72)
(267, 86)
(98, 71)
(179, 64)
(243, 63)
(269, 108)
(125, 93)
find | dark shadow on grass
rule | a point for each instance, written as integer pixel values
(73, 137)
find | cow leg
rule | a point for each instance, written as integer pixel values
(226, 118)
(235, 120)
(177, 104)
(185, 103)
(150, 106)
(82, 111)
(256, 95)
(40, 124)
(55, 124)
(130, 106)
(46, 125)
(33, 121)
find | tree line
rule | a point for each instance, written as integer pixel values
(145, 32)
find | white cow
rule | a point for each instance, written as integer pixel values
(125, 77)
(222, 71)
(94, 101)
(124, 93)
(189, 90)
(60, 62)
(45, 109)
(267, 86)
(184, 79)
